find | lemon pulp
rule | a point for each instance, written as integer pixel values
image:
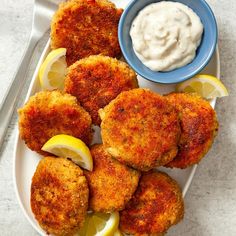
(206, 86)
(101, 224)
(53, 70)
(70, 147)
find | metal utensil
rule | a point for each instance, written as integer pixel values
(43, 11)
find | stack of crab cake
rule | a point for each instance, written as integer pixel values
(144, 130)
(97, 80)
(141, 130)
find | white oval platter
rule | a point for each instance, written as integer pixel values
(25, 160)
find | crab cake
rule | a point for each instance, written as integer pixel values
(111, 184)
(141, 129)
(199, 127)
(86, 27)
(97, 80)
(49, 113)
(156, 205)
(59, 196)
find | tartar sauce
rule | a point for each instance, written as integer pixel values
(165, 35)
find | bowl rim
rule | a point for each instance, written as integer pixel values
(182, 77)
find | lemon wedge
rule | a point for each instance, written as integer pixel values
(70, 147)
(101, 224)
(53, 70)
(206, 86)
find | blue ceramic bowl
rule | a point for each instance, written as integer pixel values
(204, 51)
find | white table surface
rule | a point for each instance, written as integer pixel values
(210, 204)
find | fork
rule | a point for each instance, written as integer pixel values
(43, 11)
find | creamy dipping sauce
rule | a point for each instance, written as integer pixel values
(165, 35)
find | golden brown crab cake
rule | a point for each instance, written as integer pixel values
(49, 113)
(59, 196)
(199, 126)
(97, 80)
(156, 205)
(86, 27)
(141, 129)
(111, 184)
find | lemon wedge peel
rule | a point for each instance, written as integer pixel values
(70, 147)
(206, 86)
(53, 70)
(101, 224)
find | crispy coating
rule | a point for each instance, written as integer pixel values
(49, 113)
(156, 205)
(59, 196)
(86, 27)
(97, 80)
(141, 129)
(111, 184)
(198, 128)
